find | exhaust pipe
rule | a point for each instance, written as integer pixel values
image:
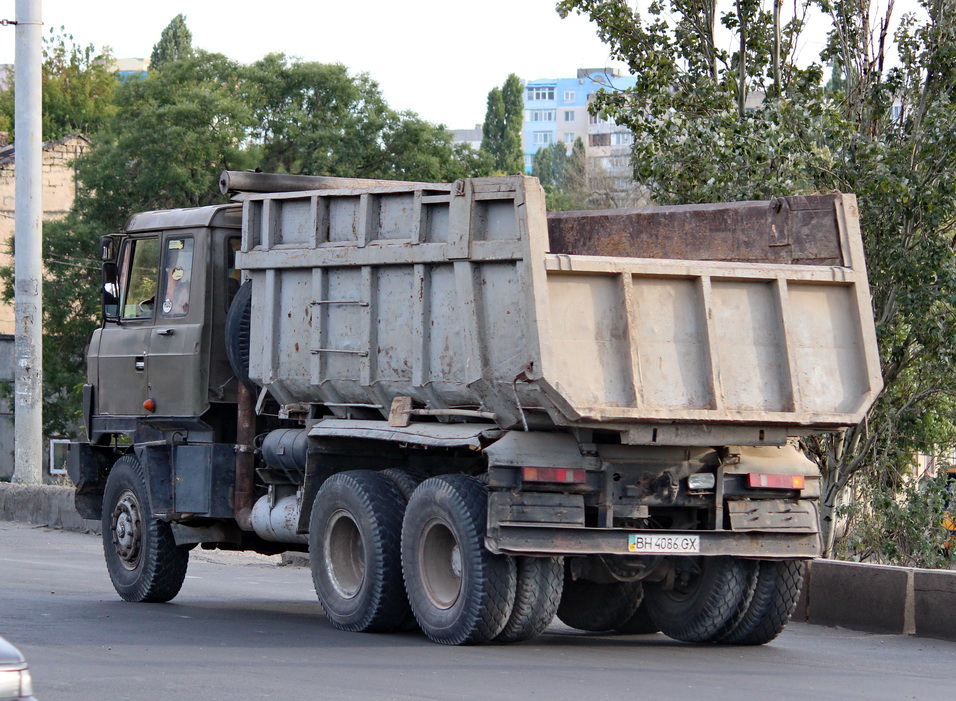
(243, 181)
(245, 458)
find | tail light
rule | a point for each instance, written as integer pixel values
(560, 475)
(759, 481)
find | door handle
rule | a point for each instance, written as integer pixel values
(165, 332)
(140, 364)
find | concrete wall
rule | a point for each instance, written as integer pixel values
(880, 599)
(44, 505)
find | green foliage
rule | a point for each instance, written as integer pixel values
(70, 309)
(886, 134)
(501, 131)
(171, 136)
(900, 524)
(175, 42)
(77, 89)
(161, 142)
(316, 118)
(562, 175)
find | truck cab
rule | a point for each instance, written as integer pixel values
(169, 280)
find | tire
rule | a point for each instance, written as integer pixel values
(354, 546)
(708, 604)
(598, 607)
(775, 594)
(540, 581)
(406, 480)
(460, 592)
(238, 324)
(640, 623)
(142, 558)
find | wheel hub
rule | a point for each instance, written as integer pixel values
(441, 564)
(127, 527)
(344, 554)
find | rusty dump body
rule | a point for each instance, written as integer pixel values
(659, 323)
(439, 387)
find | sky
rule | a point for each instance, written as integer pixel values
(438, 58)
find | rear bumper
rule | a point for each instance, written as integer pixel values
(527, 539)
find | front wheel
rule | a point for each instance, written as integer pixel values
(461, 593)
(143, 560)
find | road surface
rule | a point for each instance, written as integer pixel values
(245, 628)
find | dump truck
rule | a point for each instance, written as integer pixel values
(476, 416)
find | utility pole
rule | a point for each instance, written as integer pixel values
(28, 267)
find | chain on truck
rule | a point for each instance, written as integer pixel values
(475, 416)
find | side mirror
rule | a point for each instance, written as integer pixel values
(111, 306)
(107, 248)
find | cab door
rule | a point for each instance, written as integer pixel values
(124, 345)
(176, 373)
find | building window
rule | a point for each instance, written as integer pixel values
(568, 115)
(596, 119)
(569, 137)
(535, 94)
(542, 115)
(569, 96)
(528, 163)
(623, 138)
(599, 139)
(542, 138)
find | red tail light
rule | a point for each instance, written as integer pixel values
(758, 481)
(561, 475)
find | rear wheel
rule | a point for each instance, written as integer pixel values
(640, 623)
(354, 543)
(775, 594)
(706, 600)
(595, 606)
(537, 596)
(461, 593)
(142, 558)
(406, 480)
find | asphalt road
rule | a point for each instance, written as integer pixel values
(245, 628)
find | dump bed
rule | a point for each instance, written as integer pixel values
(666, 324)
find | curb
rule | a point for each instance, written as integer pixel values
(43, 505)
(879, 599)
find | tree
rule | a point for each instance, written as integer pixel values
(315, 118)
(164, 146)
(174, 43)
(171, 136)
(563, 176)
(77, 88)
(886, 133)
(501, 131)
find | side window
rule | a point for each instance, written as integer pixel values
(139, 290)
(177, 274)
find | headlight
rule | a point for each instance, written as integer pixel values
(26, 683)
(15, 683)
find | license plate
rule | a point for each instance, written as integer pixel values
(664, 544)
